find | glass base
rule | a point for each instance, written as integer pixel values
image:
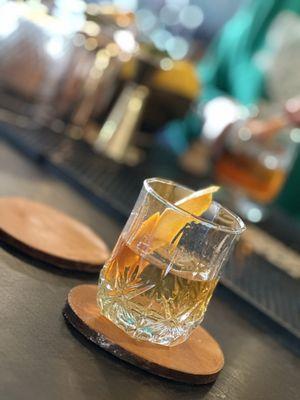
(141, 327)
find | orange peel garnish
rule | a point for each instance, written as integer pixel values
(164, 228)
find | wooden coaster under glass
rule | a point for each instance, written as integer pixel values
(198, 360)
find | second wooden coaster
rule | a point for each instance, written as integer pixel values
(198, 360)
(50, 235)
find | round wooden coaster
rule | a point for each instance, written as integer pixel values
(50, 235)
(198, 360)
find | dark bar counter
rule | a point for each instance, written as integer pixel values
(43, 358)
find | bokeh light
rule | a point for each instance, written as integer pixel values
(160, 37)
(177, 47)
(145, 20)
(125, 40)
(78, 39)
(178, 3)
(169, 15)
(271, 162)
(126, 5)
(166, 64)
(245, 134)
(91, 28)
(191, 17)
(9, 19)
(55, 47)
(254, 214)
(295, 135)
(91, 44)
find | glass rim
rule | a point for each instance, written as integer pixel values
(234, 231)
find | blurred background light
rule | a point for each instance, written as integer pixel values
(160, 37)
(55, 47)
(91, 44)
(9, 19)
(113, 49)
(292, 105)
(92, 28)
(191, 16)
(178, 3)
(227, 112)
(245, 134)
(71, 12)
(177, 47)
(102, 60)
(295, 135)
(169, 15)
(92, 9)
(125, 40)
(126, 5)
(254, 214)
(271, 162)
(166, 64)
(8, 27)
(78, 39)
(145, 19)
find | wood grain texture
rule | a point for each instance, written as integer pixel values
(198, 360)
(50, 235)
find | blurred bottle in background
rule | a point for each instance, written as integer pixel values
(248, 75)
(252, 160)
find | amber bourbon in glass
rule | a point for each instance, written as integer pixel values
(165, 266)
